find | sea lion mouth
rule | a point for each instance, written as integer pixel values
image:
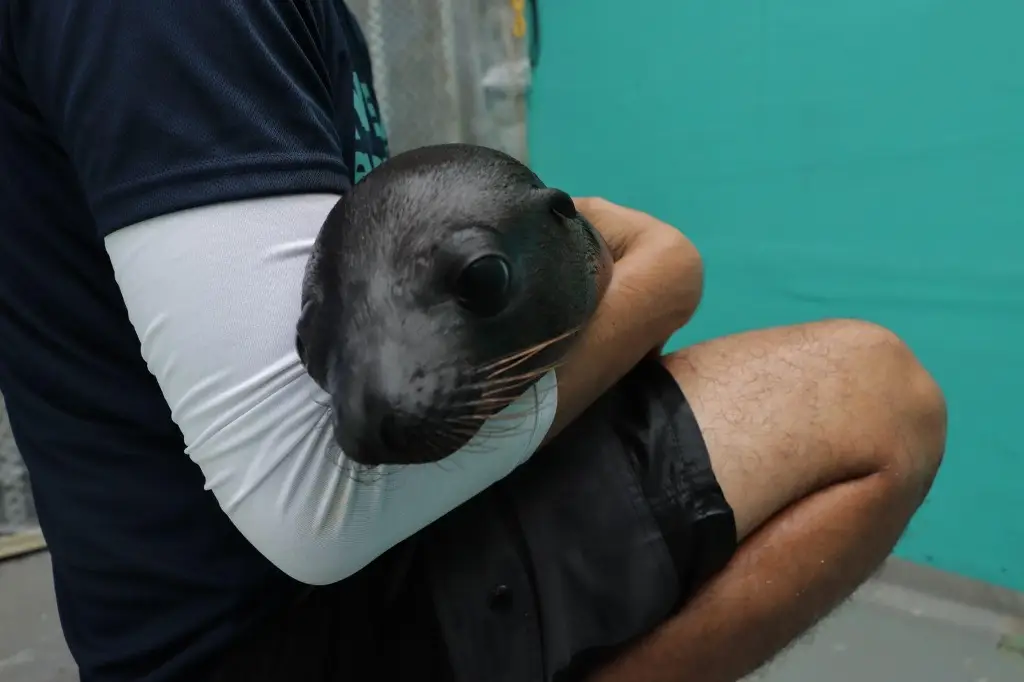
(376, 427)
(385, 433)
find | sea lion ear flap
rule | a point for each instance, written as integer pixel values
(559, 203)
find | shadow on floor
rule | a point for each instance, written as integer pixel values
(887, 633)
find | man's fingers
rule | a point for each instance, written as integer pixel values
(612, 221)
(620, 226)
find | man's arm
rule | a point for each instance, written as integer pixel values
(656, 287)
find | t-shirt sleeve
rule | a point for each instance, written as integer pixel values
(203, 135)
(164, 105)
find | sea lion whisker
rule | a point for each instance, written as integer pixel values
(493, 431)
(461, 437)
(451, 436)
(530, 350)
(455, 433)
(442, 428)
(500, 397)
(459, 443)
(525, 356)
(475, 428)
(482, 420)
(475, 445)
(501, 383)
(503, 401)
(510, 416)
(511, 357)
(517, 416)
(466, 420)
(477, 420)
(493, 401)
(512, 384)
(500, 403)
(445, 420)
(514, 359)
(433, 447)
(504, 359)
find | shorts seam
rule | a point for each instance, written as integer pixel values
(682, 507)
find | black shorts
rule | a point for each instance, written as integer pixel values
(601, 536)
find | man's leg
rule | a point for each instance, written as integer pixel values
(825, 438)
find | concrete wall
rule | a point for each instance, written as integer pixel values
(16, 509)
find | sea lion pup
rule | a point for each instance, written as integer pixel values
(439, 289)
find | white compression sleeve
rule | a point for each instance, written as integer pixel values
(213, 294)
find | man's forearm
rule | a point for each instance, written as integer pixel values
(655, 288)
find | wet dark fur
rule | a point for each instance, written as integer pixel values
(411, 374)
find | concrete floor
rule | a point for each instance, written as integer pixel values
(32, 647)
(891, 631)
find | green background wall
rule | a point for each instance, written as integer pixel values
(830, 158)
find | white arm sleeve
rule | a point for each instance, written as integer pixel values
(213, 294)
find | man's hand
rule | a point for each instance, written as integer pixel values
(621, 227)
(656, 286)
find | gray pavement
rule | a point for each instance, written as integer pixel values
(889, 632)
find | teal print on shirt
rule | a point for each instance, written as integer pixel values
(371, 141)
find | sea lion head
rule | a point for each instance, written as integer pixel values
(439, 288)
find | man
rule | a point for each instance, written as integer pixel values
(166, 166)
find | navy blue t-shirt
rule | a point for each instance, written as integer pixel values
(112, 112)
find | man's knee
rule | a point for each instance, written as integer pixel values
(911, 414)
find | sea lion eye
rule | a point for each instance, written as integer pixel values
(483, 285)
